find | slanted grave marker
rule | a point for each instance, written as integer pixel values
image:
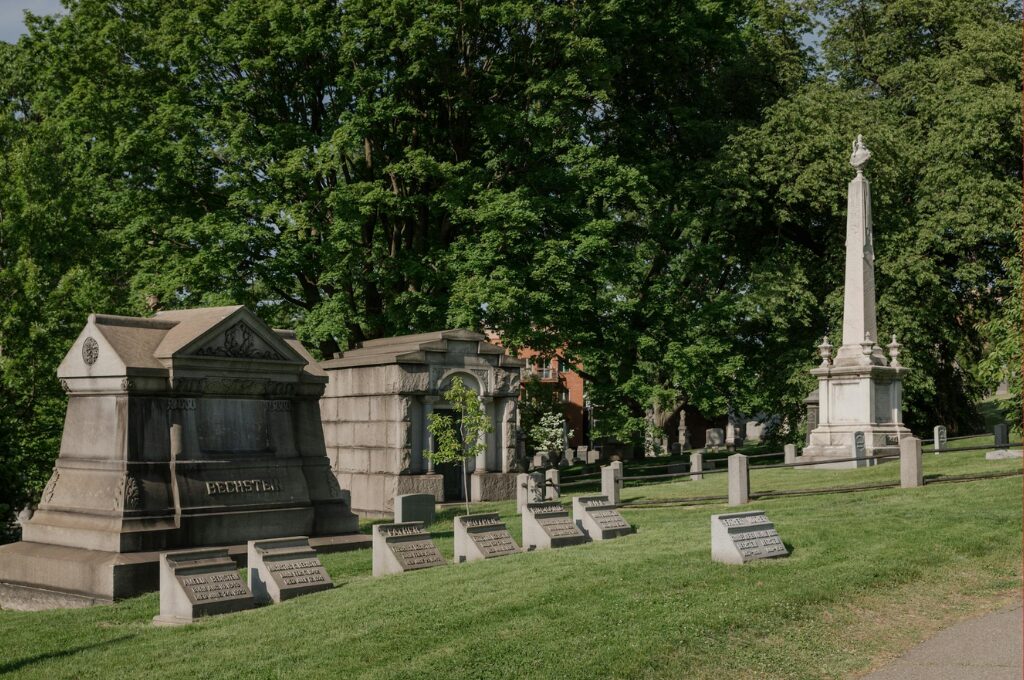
(482, 536)
(597, 517)
(548, 525)
(403, 547)
(741, 537)
(196, 583)
(283, 568)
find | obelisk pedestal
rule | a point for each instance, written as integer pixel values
(860, 393)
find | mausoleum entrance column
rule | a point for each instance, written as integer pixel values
(481, 459)
(428, 439)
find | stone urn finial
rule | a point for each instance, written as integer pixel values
(868, 346)
(894, 352)
(860, 156)
(825, 350)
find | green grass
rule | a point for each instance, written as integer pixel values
(870, 574)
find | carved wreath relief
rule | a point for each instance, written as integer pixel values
(90, 351)
(239, 343)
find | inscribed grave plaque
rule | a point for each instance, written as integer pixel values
(740, 537)
(548, 525)
(403, 547)
(282, 568)
(198, 583)
(598, 518)
(483, 536)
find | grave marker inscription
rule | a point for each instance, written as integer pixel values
(597, 517)
(742, 537)
(197, 583)
(403, 547)
(548, 525)
(481, 537)
(283, 568)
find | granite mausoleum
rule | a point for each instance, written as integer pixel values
(376, 408)
(189, 429)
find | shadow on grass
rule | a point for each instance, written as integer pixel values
(18, 665)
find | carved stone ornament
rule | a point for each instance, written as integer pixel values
(239, 342)
(90, 351)
(132, 493)
(65, 385)
(51, 486)
(860, 156)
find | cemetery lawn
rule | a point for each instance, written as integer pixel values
(871, 573)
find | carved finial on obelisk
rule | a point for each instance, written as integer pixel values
(860, 156)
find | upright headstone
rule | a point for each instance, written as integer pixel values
(535, 488)
(593, 456)
(697, 465)
(522, 491)
(744, 536)
(611, 481)
(552, 486)
(283, 568)
(195, 583)
(403, 547)
(857, 449)
(548, 525)
(939, 439)
(739, 479)
(598, 518)
(910, 463)
(481, 537)
(415, 507)
(1002, 435)
(581, 454)
(714, 437)
(789, 453)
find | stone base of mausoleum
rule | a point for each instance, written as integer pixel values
(838, 443)
(41, 576)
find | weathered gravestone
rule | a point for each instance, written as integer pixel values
(939, 439)
(789, 454)
(714, 437)
(858, 449)
(415, 507)
(593, 456)
(192, 428)
(598, 518)
(195, 583)
(1002, 435)
(611, 481)
(548, 525)
(283, 568)
(403, 547)
(744, 536)
(481, 537)
(552, 485)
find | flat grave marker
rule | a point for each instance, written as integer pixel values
(597, 517)
(741, 537)
(196, 583)
(548, 525)
(283, 568)
(403, 547)
(481, 537)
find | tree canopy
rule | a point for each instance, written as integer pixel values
(656, 187)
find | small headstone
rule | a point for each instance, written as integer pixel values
(548, 525)
(593, 456)
(611, 481)
(744, 536)
(538, 461)
(697, 465)
(283, 568)
(714, 437)
(403, 547)
(522, 491)
(598, 518)
(1002, 435)
(480, 537)
(581, 454)
(535, 487)
(911, 475)
(859, 451)
(789, 454)
(414, 507)
(195, 583)
(939, 439)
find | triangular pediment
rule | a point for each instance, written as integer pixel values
(239, 334)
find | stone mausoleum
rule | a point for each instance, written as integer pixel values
(376, 408)
(191, 428)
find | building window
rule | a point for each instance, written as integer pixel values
(561, 365)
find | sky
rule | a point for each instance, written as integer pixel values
(12, 17)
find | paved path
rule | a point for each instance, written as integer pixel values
(984, 648)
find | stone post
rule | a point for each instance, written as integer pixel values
(910, 463)
(697, 465)
(535, 488)
(939, 439)
(790, 454)
(522, 481)
(739, 479)
(552, 488)
(611, 482)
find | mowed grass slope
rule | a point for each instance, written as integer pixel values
(870, 574)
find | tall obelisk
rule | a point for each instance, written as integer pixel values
(860, 393)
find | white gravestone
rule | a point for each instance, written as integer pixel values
(598, 518)
(403, 547)
(714, 437)
(939, 439)
(552, 484)
(283, 568)
(481, 537)
(697, 465)
(611, 481)
(911, 475)
(195, 583)
(744, 536)
(739, 479)
(789, 454)
(548, 525)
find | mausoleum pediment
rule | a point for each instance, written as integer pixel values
(223, 333)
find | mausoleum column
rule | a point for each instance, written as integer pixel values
(428, 439)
